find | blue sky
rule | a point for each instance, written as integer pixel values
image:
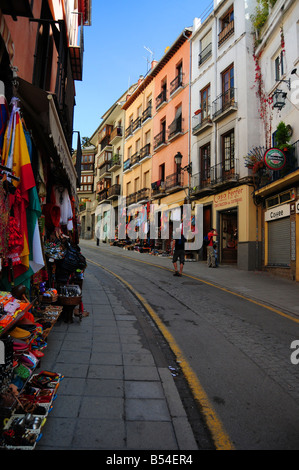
(115, 54)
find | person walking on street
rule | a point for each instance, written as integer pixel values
(211, 262)
(178, 252)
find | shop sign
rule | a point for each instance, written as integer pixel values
(277, 213)
(297, 207)
(275, 159)
(229, 198)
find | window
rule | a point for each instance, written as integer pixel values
(146, 179)
(179, 73)
(86, 183)
(162, 172)
(226, 26)
(205, 103)
(228, 151)
(279, 66)
(205, 47)
(205, 161)
(228, 85)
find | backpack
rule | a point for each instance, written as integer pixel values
(206, 241)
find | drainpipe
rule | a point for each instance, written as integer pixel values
(189, 111)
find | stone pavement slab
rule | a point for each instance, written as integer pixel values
(113, 395)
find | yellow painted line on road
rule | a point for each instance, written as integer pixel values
(224, 289)
(220, 437)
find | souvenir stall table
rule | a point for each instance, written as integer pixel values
(26, 396)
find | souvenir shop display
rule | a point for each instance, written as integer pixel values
(40, 265)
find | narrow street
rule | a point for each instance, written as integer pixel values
(239, 350)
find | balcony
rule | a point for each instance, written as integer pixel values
(105, 144)
(159, 140)
(127, 165)
(135, 159)
(161, 99)
(226, 32)
(116, 135)
(105, 133)
(201, 182)
(158, 189)
(136, 124)
(131, 199)
(175, 182)
(147, 114)
(115, 163)
(103, 196)
(129, 131)
(103, 184)
(205, 54)
(200, 124)
(225, 173)
(224, 104)
(114, 191)
(143, 195)
(104, 171)
(145, 152)
(176, 85)
(175, 129)
(288, 175)
(104, 158)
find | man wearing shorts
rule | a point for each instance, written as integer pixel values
(178, 252)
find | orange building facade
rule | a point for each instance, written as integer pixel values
(171, 123)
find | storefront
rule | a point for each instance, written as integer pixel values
(281, 234)
(40, 265)
(235, 217)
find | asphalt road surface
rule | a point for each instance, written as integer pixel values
(239, 351)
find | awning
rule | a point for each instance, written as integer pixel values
(60, 144)
(5, 33)
(42, 117)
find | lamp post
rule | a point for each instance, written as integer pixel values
(178, 160)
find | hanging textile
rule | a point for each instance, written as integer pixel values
(64, 202)
(4, 220)
(16, 157)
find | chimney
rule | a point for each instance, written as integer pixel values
(154, 63)
(141, 78)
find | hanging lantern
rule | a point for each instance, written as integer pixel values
(279, 99)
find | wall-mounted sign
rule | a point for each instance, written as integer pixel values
(277, 212)
(275, 159)
(297, 207)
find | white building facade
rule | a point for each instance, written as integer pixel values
(225, 125)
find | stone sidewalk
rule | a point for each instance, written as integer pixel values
(113, 395)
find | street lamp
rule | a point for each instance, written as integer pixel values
(178, 160)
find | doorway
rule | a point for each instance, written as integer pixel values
(229, 236)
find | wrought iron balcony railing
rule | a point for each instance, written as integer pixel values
(227, 31)
(135, 158)
(175, 128)
(161, 98)
(142, 194)
(147, 113)
(205, 54)
(145, 151)
(114, 191)
(159, 139)
(224, 102)
(176, 84)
